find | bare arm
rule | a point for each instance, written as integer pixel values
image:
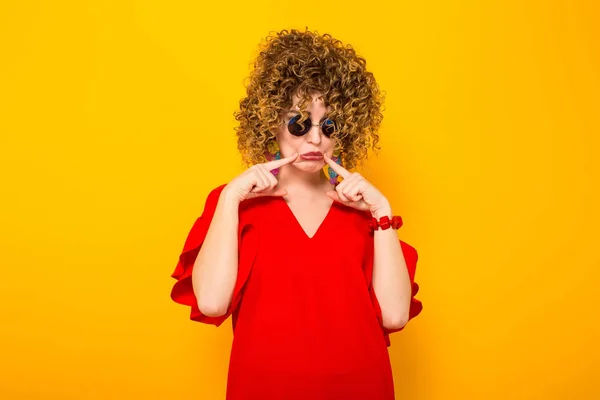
(215, 270)
(391, 281)
(216, 266)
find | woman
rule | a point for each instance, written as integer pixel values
(308, 266)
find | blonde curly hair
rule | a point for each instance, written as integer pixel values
(305, 63)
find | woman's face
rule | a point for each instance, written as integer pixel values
(313, 141)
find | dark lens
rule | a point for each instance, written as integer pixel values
(297, 129)
(328, 127)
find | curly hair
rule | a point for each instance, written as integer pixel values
(305, 63)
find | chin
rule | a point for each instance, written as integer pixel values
(311, 167)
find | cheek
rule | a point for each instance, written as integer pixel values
(287, 141)
(329, 145)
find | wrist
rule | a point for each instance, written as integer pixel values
(229, 198)
(386, 222)
(381, 212)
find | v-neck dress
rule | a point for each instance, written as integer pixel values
(306, 320)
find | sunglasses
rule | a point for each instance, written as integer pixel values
(299, 129)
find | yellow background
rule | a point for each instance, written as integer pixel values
(116, 119)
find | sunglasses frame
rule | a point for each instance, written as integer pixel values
(308, 126)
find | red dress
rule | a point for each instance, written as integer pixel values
(306, 321)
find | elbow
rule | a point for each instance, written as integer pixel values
(211, 308)
(207, 301)
(209, 305)
(396, 322)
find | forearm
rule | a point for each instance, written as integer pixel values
(216, 266)
(391, 281)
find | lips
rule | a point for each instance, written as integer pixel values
(313, 155)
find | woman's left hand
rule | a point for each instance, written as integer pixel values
(355, 191)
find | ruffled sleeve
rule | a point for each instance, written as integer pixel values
(411, 256)
(182, 291)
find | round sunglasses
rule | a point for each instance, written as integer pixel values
(299, 129)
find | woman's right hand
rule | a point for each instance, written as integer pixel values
(258, 181)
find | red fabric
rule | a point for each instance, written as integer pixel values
(305, 317)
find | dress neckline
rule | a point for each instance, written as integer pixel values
(297, 223)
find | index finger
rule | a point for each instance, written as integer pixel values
(278, 163)
(341, 171)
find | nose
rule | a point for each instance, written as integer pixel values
(314, 134)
